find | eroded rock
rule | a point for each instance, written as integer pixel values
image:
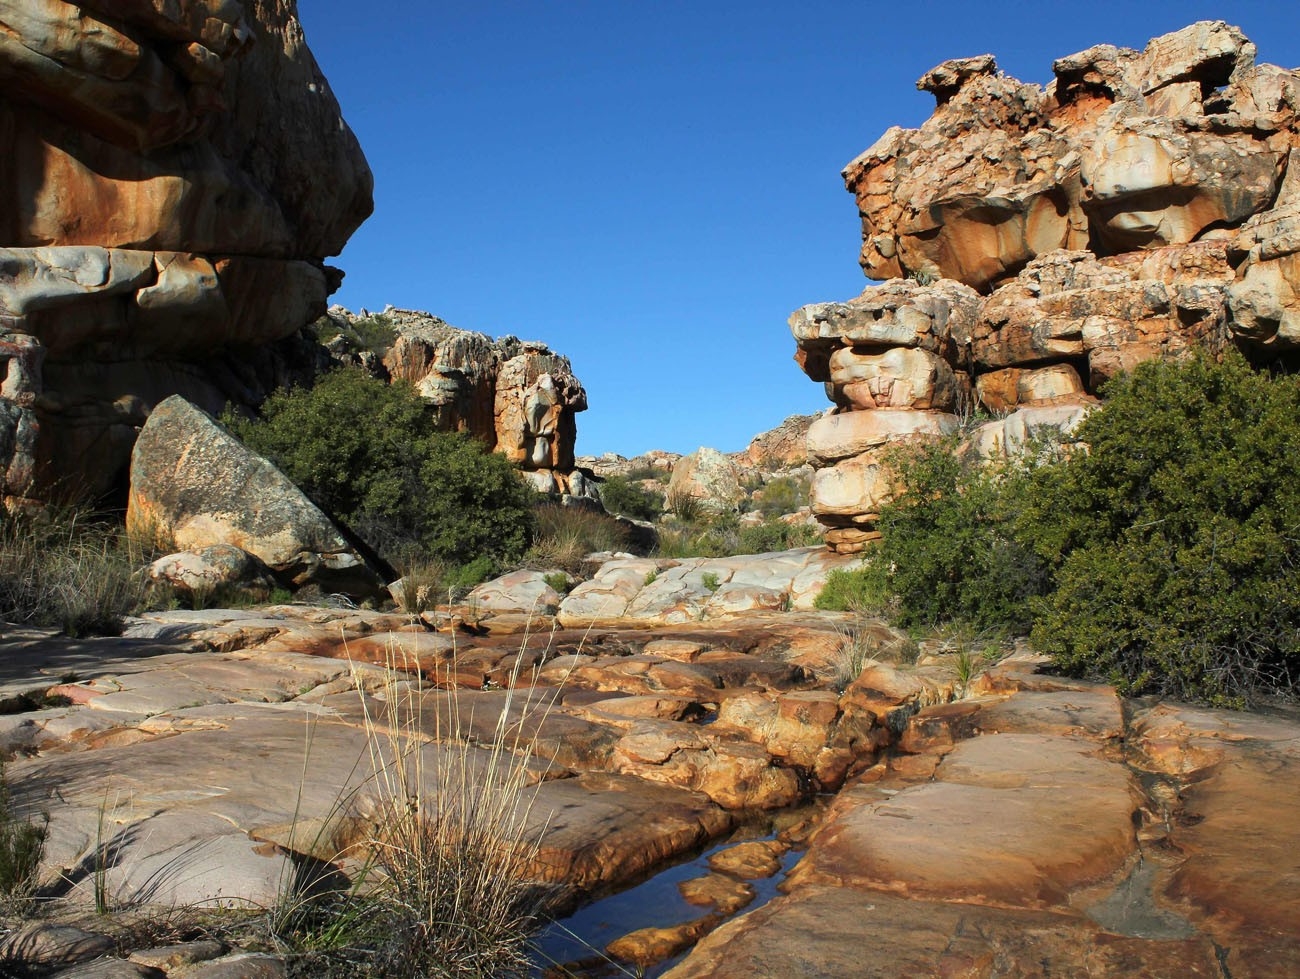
(1038, 242)
(154, 200)
(195, 485)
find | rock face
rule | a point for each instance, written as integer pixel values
(174, 176)
(1040, 241)
(195, 485)
(516, 396)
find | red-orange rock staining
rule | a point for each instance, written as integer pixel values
(1039, 241)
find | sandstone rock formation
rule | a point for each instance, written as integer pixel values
(1039, 241)
(194, 485)
(708, 477)
(1021, 823)
(516, 396)
(174, 176)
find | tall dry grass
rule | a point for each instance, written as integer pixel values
(448, 885)
(69, 569)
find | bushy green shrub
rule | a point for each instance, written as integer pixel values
(1165, 558)
(949, 549)
(367, 452)
(777, 535)
(631, 499)
(784, 494)
(1175, 540)
(852, 590)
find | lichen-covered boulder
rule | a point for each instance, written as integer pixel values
(194, 485)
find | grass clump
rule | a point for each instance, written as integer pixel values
(565, 535)
(448, 885)
(852, 590)
(68, 569)
(22, 844)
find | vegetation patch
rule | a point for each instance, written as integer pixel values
(68, 569)
(368, 453)
(628, 497)
(1165, 558)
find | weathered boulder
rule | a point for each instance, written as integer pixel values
(194, 485)
(708, 476)
(174, 176)
(209, 569)
(852, 433)
(1125, 150)
(782, 447)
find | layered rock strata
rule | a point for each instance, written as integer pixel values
(1038, 241)
(174, 176)
(518, 397)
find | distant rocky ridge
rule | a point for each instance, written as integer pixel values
(174, 176)
(516, 396)
(1039, 241)
(719, 480)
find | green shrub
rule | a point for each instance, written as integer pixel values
(622, 495)
(1173, 541)
(557, 581)
(949, 549)
(852, 590)
(784, 494)
(367, 452)
(777, 535)
(375, 333)
(710, 581)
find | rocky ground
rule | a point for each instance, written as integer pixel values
(984, 819)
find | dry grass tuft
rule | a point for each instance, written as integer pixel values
(447, 886)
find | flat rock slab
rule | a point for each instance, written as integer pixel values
(828, 932)
(199, 817)
(1010, 819)
(1089, 713)
(648, 590)
(1237, 830)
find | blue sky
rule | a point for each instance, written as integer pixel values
(652, 187)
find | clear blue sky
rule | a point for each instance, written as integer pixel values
(652, 186)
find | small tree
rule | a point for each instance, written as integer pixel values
(949, 550)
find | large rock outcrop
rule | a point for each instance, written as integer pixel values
(174, 175)
(518, 397)
(1039, 241)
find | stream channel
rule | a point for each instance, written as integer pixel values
(573, 947)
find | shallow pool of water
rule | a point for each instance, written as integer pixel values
(574, 946)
